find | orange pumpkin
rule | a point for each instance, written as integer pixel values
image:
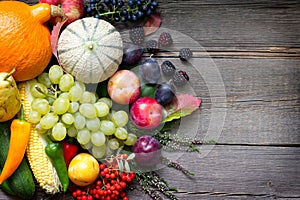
(24, 38)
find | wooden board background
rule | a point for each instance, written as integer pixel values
(255, 46)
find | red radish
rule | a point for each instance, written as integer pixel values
(73, 9)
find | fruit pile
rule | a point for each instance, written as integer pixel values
(114, 130)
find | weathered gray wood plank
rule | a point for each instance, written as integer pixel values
(235, 172)
(235, 24)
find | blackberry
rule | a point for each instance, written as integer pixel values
(137, 35)
(185, 54)
(165, 39)
(167, 68)
(180, 78)
(152, 46)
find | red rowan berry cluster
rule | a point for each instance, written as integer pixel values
(111, 183)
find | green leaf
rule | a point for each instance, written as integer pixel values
(120, 165)
(127, 167)
(131, 156)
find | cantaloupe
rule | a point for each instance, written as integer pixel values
(90, 49)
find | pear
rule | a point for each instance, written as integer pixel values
(10, 101)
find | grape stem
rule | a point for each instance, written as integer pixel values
(41, 91)
(115, 11)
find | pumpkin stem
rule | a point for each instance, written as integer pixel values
(57, 12)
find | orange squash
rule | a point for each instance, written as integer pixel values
(24, 38)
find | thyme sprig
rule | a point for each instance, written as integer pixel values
(154, 185)
(177, 165)
(171, 141)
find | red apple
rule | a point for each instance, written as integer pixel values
(146, 113)
(73, 9)
(124, 87)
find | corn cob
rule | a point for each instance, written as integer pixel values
(41, 166)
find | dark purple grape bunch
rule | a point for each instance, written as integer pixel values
(120, 10)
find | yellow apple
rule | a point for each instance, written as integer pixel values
(83, 169)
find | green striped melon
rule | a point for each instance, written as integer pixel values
(90, 49)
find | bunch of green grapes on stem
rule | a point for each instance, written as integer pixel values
(63, 106)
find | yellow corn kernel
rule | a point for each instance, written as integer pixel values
(41, 166)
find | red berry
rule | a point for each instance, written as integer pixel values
(117, 193)
(78, 192)
(74, 194)
(116, 173)
(107, 187)
(102, 166)
(128, 179)
(131, 175)
(123, 194)
(100, 192)
(106, 170)
(125, 198)
(112, 188)
(99, 183)
(102, 173)
(112, 176)
(123, 184)
(118, 187)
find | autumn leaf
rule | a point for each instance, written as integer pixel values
(54, 37)
(152, 24)
(182, 105)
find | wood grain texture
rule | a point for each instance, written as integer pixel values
(255, 47)
(237, 172)
(236, 25)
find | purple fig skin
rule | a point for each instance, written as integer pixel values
(147, 151)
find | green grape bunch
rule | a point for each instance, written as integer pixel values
(63, 107)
